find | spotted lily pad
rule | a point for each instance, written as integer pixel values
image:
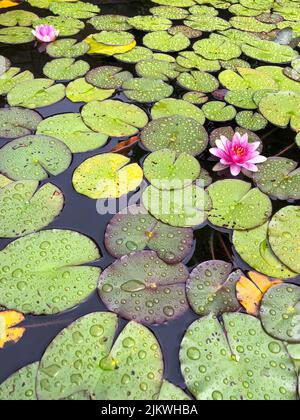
(203, 10)
(114, 39)
(284, 236)
(218, 111)
(236, 206)
(67, 26)
(67, 48)
(177, 133)
(251, 24)
(144, 288)
(250, 120)
(81, 91)
(165, 42)
(185, 30)
(134, 229)
(211, 288)
(17, 18)
(25, 209)
(107, 77)
(235, 360)
(13, 389)
(191, 60)
(78, 9)
(103, 366)
(175, 3)
(12, 77)
(196, 98)
(150, 23)
(217, 47)
(110, 43)
(114, 118)
(170, 392)
(16, 35)
(55, 276)
(281, 109)
(157, 69)
(107, 176)
(169, 12)
(170, 107)
(135, 55)
(36, 93)
(279, 178)
(147, 90)
(34, 157)
(110, 23)
(71, 130)
(65, 69)
(18, 122)
(207, 24)
(280, 312)
(198, 81)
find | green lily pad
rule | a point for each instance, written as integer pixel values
(241, 99)
(135, 55)
(211, 288)
(134, 229)
(280, 311)
(196, 98)
(107, 77)
(54, 277)
(175, 3)
(67, 26)
(234, 64)
(67, 48)
(169, 12)
(25, 209)
(18, 122)
(207, 24)
(284, 236)
(253, 121)
(105, 365)
(170, 392)
(177, 133)
(269, 51)
(150, 23)
(165, 42)
(12, 77)
(111, 38)
(203, 10)
(114, 118)
(34, 157)
(13, 389)
(279, 177)
(110, 23)
(17, 18)
(78, 9)
(16, 35)
(218, 111)
(81, 91)
(191, 60)
(251, 24)
(281, 109)
(65, 69)
(145, 90)
(248, 79)
(71, 130)
(217, 47)
(236, 206)
(254, 248)
(185, 30)
(143, 288)
(235, 360)
(36, 93)
(170, 107)
(156, 69)
(198, 81)
(109, 175)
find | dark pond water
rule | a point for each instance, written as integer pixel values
(80, 214)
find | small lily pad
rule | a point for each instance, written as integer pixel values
(196, 98)
(150, 23)
(217, 47)
(107, 77)
(13, 388)
(170, 107)
(65, 69)
(12, 77)
(218, 111)
(110, 23)
(67, 48)
(250, 120)
(191, 60)
(34, 157)
(78, 9)
(81, 91)
(16, 35)
(67, 26)
(18, 18)
(156, 69)
(165, 42)
(207, 24)
(147, 90)
(135, 55)
(169, 12)
(18, 122)
(198, 81)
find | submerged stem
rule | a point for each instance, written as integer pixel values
(212, 246)
(226, 250)
(286, 149)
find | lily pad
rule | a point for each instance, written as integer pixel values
(18, 122)
(242, 99)
(112, 45)
(165, 42)
(177, 133)
(114, 39)
(114, 118)
(144, 288)
(67, 26)
(110, 23)
(104, 368)
(211, 288)
(196, 98)
(107, 77)
(147, 90)
(254, 248)
(13, 389)
(185, 30)
(217, 47)
(54, 277)
(34, 157)
(170, 107)
(16, 35)
(218, 111)
(81, 91)
(18, 18)
(25, 209)
(157, 69)
(67, 48)
(236, 206)
(253, 121)
(284, 236)
(175, 3)
(134, 229)
(12, 77)
(279, 177)
(217, 361)
(36, 93)
(198, 81)
(251, 24)
(280, 312)
(78, 9)
(170, 392)
(207, 24)
(169, 12)
(135, 55)
(150, 23)
(71, 130)
(191, 60)
(65, 69)
(107, 176)
(203, 10)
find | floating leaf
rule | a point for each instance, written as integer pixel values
(8, 330)
(13, 388)
(218, 111)
(65, 69)
(71, 130)
(211, 288)
(18, 18)
(81, 91)
(18, 122)
(133, 229)
(203, 10)
(170, 392)
(165, 42)
(143, 288)
(16, 35)
(196, 98)
(34, 157)
(171, 107)
(191, 60)
(12, 78)
(169, 12)
(251, 24)
(236, 206)
(68, 48)
(239, 348)
(114, 39)
(67, 26)
(253, 121)
(107, 176)
(185, 30)
(125, 146)
(110, 23)
(146, 90)
(175, 3)
(107, 77)
(150, 23)
(97, 47)
(157, 69)
(207, 24)
(114, 118)
(198, 81)
(243, 99)
(177, 133)
(45, 272)
(78, 9)
(135, 55)
(217, 47)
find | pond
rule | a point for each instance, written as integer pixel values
(207, 69)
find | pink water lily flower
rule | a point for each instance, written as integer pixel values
(45, 33)
(237, 154)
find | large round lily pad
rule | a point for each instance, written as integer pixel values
(170, 107)
(235, 360)
(135, 55)
(34, 157)
(281, 109)
(18, 122)
(25, 209)
(198, 81)
(211, 288)
(110, 23)
(177, 133)
(175, 3)
(144, 288)
(207, 23)
(71, 130)
(169, 12)
(17, 18)
(21, 385)
(147, 90)
(236, 206)
(157, 69)
(109, 175)
(165, 42)
(67, 26)
(68, 48)
(107, 77)
(65, 69)
(150, 23)
(284, 236)
(217, 47)
(114, 118)
(78, 9)
(81, 91)
(16, 35)
(129, 368)
(134, 229)
(191, 60)
(47, 272)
